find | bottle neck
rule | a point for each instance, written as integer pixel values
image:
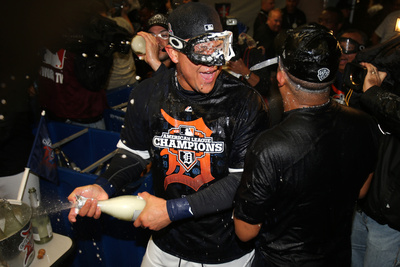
(34, 200)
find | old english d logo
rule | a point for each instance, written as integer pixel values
(186, 144)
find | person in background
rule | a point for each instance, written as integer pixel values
(74, 72)
(345, 8)
(262, 16)
(194, 123)
(146, 11)
(351, 41)
(312, 9)
(296, 205)
(331, 18)
(387, 29)
(123, 70)
(156, 39)
(374, 19)
(246, 56)
(265, 35)
(292, 17)
(376, 226)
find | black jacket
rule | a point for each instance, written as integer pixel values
(301, 181)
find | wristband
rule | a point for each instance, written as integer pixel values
(178, 209)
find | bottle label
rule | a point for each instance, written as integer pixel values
(49, 230)
(35, 233)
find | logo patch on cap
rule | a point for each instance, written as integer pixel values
(208, 27)
(323, 73)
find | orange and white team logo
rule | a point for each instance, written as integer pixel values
(186, 144)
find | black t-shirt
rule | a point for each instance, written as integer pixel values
(302, 179)
(194, 140)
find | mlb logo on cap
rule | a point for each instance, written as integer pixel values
(208, 27)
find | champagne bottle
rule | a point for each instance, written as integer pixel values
(41, 225)
(11, 223)
(126, 208)
(138, 45)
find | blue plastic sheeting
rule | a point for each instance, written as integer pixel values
(119, 95)
(114, 116)
(103, 242)
(114, 119)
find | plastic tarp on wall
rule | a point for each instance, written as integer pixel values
(106, 241)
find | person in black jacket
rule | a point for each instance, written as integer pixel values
(376, 227)
(292, 17)
(194, 123)
(292, 200)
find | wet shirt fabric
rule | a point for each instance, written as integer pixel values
(290, 185)
(194, 141)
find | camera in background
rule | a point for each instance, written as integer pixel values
(353, 76)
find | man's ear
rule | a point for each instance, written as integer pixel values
(172, 53)
(280, 77)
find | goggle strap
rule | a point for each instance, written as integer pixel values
(177, 43)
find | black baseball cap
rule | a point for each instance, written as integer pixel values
(310, 53)
(193, 19)
(157, 20)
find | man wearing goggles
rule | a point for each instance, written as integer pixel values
(351, 41)
(156, 39)
(201, 57)
(211, 49)
(194, 123)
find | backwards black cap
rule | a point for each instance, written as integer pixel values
(193, 19)
(311, 53)
(157, 20)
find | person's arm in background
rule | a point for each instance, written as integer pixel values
(239, 67)
(383, 104)
(246, 231)
(365, 187)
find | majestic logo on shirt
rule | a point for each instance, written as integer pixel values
(187, 144)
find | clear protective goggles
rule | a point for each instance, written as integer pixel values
(350, 46)
(210, 49)
(163, 34)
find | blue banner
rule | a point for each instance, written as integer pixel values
(42, 159)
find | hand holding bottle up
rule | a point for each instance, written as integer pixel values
(152, 50)
(90, 209)
(154, 215)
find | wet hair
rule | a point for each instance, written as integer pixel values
(308, 87)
